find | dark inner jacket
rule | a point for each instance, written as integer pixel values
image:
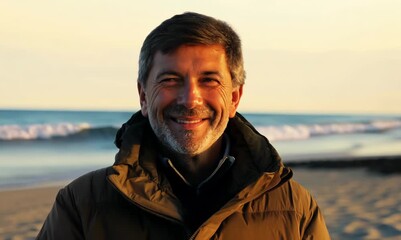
(134, 199)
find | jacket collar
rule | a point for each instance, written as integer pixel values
(247, 142)
(257, 168)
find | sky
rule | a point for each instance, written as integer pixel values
(313, 56)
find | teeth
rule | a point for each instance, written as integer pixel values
(188, 121)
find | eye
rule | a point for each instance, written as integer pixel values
(210, 82)
(169, 81)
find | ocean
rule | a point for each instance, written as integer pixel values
(51, 147)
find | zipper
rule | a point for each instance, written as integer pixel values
(192, 237)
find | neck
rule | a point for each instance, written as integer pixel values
(196, 168)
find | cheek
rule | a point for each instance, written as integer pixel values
(227, 102)
(220, 101)
(225, 99)
(159, 99)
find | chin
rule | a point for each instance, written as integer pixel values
(187, 150)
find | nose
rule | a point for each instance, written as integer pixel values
(190, 94)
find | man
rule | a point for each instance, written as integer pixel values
(189, 166)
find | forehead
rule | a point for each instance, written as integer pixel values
(205, 55)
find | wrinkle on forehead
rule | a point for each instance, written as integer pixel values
(191, 59)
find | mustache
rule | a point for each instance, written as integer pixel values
(182, 111)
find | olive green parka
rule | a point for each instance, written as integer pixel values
(134, 200)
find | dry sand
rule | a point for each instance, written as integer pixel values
(356, 204)
(22, 212)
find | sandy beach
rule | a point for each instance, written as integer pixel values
(356, 203)
(23, 211)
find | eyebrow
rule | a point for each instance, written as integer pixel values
(169, 72)
(212, 73)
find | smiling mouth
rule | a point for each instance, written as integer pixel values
(188, 118)
(187, 121)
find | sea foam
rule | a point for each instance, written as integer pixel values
(40, 131)
(299, 132)
(284, 132)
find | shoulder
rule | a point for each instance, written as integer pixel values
(297, 192)
(289, 196)
(92, 186)
(298, 197)
(288, 209)
(91, 178)
(312, 224)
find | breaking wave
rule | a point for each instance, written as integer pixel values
(299, 132)
(274, 133)
(51, 131)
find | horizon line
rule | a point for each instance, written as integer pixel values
(289, 112)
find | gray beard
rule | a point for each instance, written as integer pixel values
(182, 142)
(169, 140)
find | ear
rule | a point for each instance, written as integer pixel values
(142, 99)
(235, 99)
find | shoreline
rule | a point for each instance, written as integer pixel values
(50, 184)
(386, 164)
(378, 164)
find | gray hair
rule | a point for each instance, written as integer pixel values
(192, 29)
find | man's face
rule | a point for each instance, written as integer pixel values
(189, 97)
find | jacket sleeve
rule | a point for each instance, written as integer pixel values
(63, 221)
(316, 227)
